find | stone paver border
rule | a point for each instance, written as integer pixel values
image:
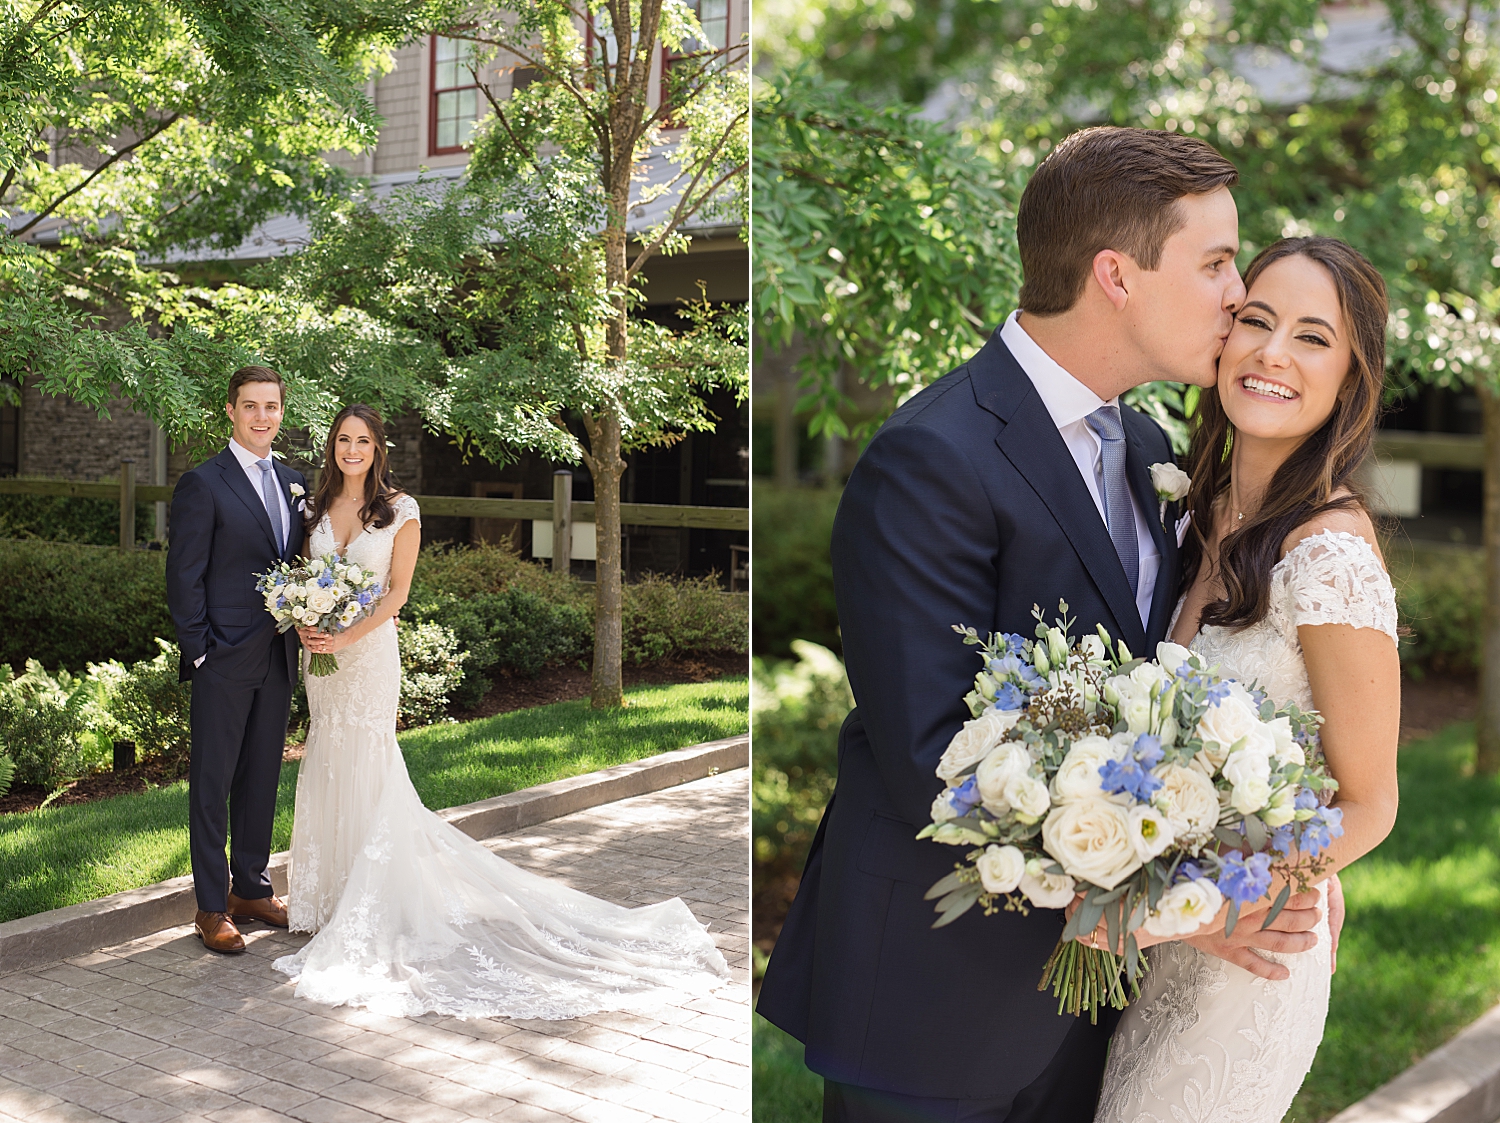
(1458, 1082)
(83, 928)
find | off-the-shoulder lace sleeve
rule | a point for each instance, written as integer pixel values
(1335, 578)
(406, 510)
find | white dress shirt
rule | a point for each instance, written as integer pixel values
(1069, 402)
(249, 462)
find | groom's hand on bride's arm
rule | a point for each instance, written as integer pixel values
(1290, 932)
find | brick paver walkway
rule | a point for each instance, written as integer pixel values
(160, 1031)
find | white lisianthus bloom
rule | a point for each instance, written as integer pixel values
(942, 810)
(1287, 750)
(1224, 724)
(1090, 838)
(1147, 676)
(1170, 482)
(974, 740)
(1192, 802)
(1000, 868)
(1184, 908)
(1078, 778)
(1093, 648)
(316, 567)
(1250, 796)
(1027, 795)
(1172, 656)
(1137, 714)
(995, 772)
(271, 598)
(1282, 808)
(298, 612)
(1150, 831)
(340, 590)
(1046, 890)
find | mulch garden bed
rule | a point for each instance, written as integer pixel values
(558, 684)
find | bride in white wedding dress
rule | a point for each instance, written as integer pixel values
(411, 915)
(1285, 589)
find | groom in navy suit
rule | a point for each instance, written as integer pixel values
(233, 517)
(1016, 480)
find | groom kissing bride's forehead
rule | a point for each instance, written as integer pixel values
(1018, 479)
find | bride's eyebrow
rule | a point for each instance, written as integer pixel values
(1261, 304)
(1320, 322)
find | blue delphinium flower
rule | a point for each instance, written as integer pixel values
(1307, 800)
(1009, 697)
(1148, 750)
(1029, 678)
(1281, 840)
(1244, 879)
(1012, 643)
(365, 599)
(1319, 832)
(325, 579)
(1189, 871)
(1128, 776)
(965, 797)
(1217, 693)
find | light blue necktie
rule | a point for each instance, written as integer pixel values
(273, 507)
(1119, 512)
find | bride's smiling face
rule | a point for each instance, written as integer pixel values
(354, 447)
(1288, 355)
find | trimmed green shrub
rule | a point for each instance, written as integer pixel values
(1440, 595)
(47, 724)
(664, 616)
(152, 707)
(467, 571)
(795, 711)
(61, 518)
(68, 605)
(790, 531)
(513, 630)
(431, 667)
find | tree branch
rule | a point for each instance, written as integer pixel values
(682, 212)
(120, 155)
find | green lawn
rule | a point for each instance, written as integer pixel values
(63, 855)
(1419, 958)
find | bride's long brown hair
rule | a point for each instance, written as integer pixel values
(1324, 464)
(380, 487)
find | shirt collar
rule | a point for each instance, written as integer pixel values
(1067, 400)
(246, 458)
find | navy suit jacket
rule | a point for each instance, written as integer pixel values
(965, 508)
(221, 538)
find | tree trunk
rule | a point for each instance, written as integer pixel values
(608, 686)
(1488, 721)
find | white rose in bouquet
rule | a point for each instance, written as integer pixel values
(1078, 778)
(1090, 838)
(995, 772)
(974, 740)
(1249, 797)
(1046, 890)
(321, 600)
(1191, 799)
(1184, 908)
(1248, 763)
(942, 809)
(1147, 676)
(1150, 831)
(1172, 656)
(1222, 725)
(1000, 868)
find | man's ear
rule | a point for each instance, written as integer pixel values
(1111, 267)
(229, 410)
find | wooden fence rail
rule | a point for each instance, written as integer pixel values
(127, 493)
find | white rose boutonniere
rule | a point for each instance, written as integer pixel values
(1171, 484)
(297, 490)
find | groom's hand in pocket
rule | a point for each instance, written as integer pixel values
(1290, 932)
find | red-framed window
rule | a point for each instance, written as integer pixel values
(454, 98)
(713, 17)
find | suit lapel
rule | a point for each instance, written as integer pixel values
(1139, 474)
(294, 518)
(239, 483)
(1031, 442)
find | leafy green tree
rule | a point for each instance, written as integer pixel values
(508, 299)
(128, 130)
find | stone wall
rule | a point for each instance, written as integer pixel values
(61, 439)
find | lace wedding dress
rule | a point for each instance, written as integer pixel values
(411, 915)
(1207, 1042)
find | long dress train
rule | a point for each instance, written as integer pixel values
(411, 915)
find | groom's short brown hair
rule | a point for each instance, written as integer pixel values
(254, 373)
(1106, 188)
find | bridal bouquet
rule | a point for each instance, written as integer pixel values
(1151, 790)
(327, 594)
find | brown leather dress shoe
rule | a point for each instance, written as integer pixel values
(218, 932)
(267, 910)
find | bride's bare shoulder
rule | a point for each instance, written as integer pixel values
(1353, 519)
